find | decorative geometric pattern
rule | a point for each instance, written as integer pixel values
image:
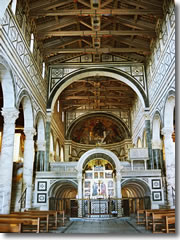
(156, 184)
(86, 58)
(135, 70)
(41, 198)
(42, 186)
(57, 73)
(157, 196)
(23, 51)
(161, 64)
(99, 206)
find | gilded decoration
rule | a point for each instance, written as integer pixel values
(97, 130)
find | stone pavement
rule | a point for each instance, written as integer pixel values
(120, 226)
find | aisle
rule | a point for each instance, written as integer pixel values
(114, 226)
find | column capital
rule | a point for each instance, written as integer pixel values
(167, 132)
(29, 133)
(48, 116)
(10, 115)
(157, 144)
(41, 145)
(147, 115)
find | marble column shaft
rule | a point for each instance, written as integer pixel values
(40, 156)
(119, 195)
(157, 152)
(6, 161)
(28, 165)
(80, 205)
(149, 145)
(156, 158)
(48, 129)
(170, 163)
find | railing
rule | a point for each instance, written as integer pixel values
(22, 199)
(99, 207)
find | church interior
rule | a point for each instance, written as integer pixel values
(87, 110)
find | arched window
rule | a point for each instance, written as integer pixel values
(57, 151)
(32, 42)
(145, 139)
(51, 150)
(43, 69)
(62, 154)
(58, 106)
(139, 143)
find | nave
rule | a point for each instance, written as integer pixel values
(123, 226)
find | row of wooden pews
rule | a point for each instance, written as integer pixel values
(157, 220)
(31, 221)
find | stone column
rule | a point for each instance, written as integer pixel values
(40, 157)
(170, 163)
(157, 148)
(6, 162)
(80, 203)
(47, 134)
(149, 137)
(119, 195)
(28, 165)
(67, 147)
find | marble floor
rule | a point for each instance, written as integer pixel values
(119, 226)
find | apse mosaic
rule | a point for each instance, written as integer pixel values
(97, 130)
(98, 179)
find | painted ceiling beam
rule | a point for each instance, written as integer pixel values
(102, 33)
(96, 50)
(96, 12)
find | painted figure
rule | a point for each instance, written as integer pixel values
(95, 189)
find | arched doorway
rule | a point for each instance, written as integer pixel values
(99, 183)
(136, 195)
(62, 196)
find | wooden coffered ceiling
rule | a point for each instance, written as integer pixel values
(97, 93)
(69, 28)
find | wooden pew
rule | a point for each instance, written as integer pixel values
(170, 224)
(51, 213)
(20, 215)
(158, 221)
(148, 215)
(142, 214)
(140, 217)
(62, 217)
(58, 215)
(13, 224)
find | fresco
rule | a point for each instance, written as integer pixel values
(97, 130)
(98, 179)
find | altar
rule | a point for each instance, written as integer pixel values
(99, 207)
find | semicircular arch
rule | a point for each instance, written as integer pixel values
(140, 187)
(97, 71)
(7, 82)
(56, 186)
(98, 153)
(97, 114)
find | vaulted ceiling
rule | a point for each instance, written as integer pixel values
(69, 28)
